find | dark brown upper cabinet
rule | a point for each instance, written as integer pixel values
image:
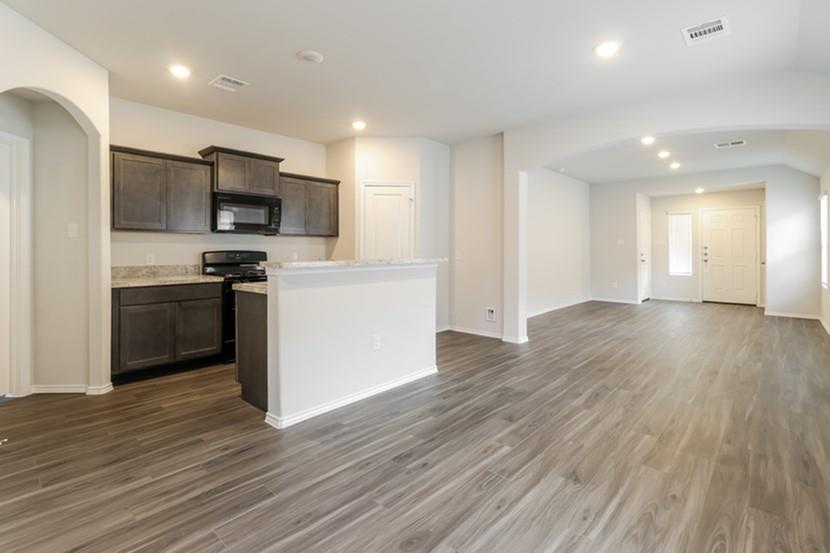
(309, 205)
(241, 172)
(139, 193)
(160, 192)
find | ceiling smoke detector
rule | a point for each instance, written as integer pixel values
(730, 144)
(310, 56)
(706, 31)
(229, 84)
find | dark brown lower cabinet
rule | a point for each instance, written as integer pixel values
(160, 325)
(252, 347)
(147, 336)
(198, 328)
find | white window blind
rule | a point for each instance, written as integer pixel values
(824, 241)
(680, 244)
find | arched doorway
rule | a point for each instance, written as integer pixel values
(53, 240)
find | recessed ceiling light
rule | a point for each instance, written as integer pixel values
(647, 140)
(180, 71)
(664, 154)
(699, 191)
(310, 56)
(561, 170)
(359, 125)
(675, 165)
(607, 49)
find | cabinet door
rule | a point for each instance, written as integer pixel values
(293, 206)
(147, 335)
(264, 177)
(139, 195)
(198, 328)
(231, 173)
(321, 209)
(188, 197)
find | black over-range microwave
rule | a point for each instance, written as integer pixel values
(243, 214)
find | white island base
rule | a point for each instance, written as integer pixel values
(339, 332)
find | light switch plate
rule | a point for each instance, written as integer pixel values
(150, 259)
(72, 230)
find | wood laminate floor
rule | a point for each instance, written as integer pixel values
(656, 428)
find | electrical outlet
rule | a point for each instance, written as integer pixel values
(150, 259)
(72, 230)
(295, 256)
(615, 285)
(375, 342)
(490, 314)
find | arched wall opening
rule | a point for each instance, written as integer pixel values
(790, 100)
(59, 342)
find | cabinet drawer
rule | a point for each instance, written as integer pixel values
(174, 293)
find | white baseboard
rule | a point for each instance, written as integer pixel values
(69, 389)
(59, 388)
(684, 300)
(443, 329)
(99, 390)
(607, 300)
(557, 308)
(284, 422)
(792, 315)
(515, 339)
(476, 332)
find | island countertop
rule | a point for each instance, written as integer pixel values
(288, 265)
(252, 287)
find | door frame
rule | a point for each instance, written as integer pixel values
(642, 197)
(365, 186)
(21, 265)
(758, 265)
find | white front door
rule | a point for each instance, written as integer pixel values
(388, 221)
(5, 265)
(730, 255)
(644, 246)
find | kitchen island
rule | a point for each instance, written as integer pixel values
(337, 332)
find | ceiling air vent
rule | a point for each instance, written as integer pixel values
(230, 84)
(730, 144)
(706, 31)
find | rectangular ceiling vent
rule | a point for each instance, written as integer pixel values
(706, 31)
(730, 144)
(230, 84)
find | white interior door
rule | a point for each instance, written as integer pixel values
(5, 265)
(730, 255)
(644, 246)
(388, 221)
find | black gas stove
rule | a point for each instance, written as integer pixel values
(235, 266)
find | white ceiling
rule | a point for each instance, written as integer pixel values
(807, 151)
(445, 69)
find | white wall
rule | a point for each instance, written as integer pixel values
(793, 246)
(792, 232)
(558, 241)
(825, 293)
(477, 235)
(151, 128)
(305, 308)
(60, 314)
(687, 288)
(15, 115)
(31, 57)
(341, 160)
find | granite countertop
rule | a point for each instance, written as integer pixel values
(159, 275)
(252, 287)
(346, 263)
